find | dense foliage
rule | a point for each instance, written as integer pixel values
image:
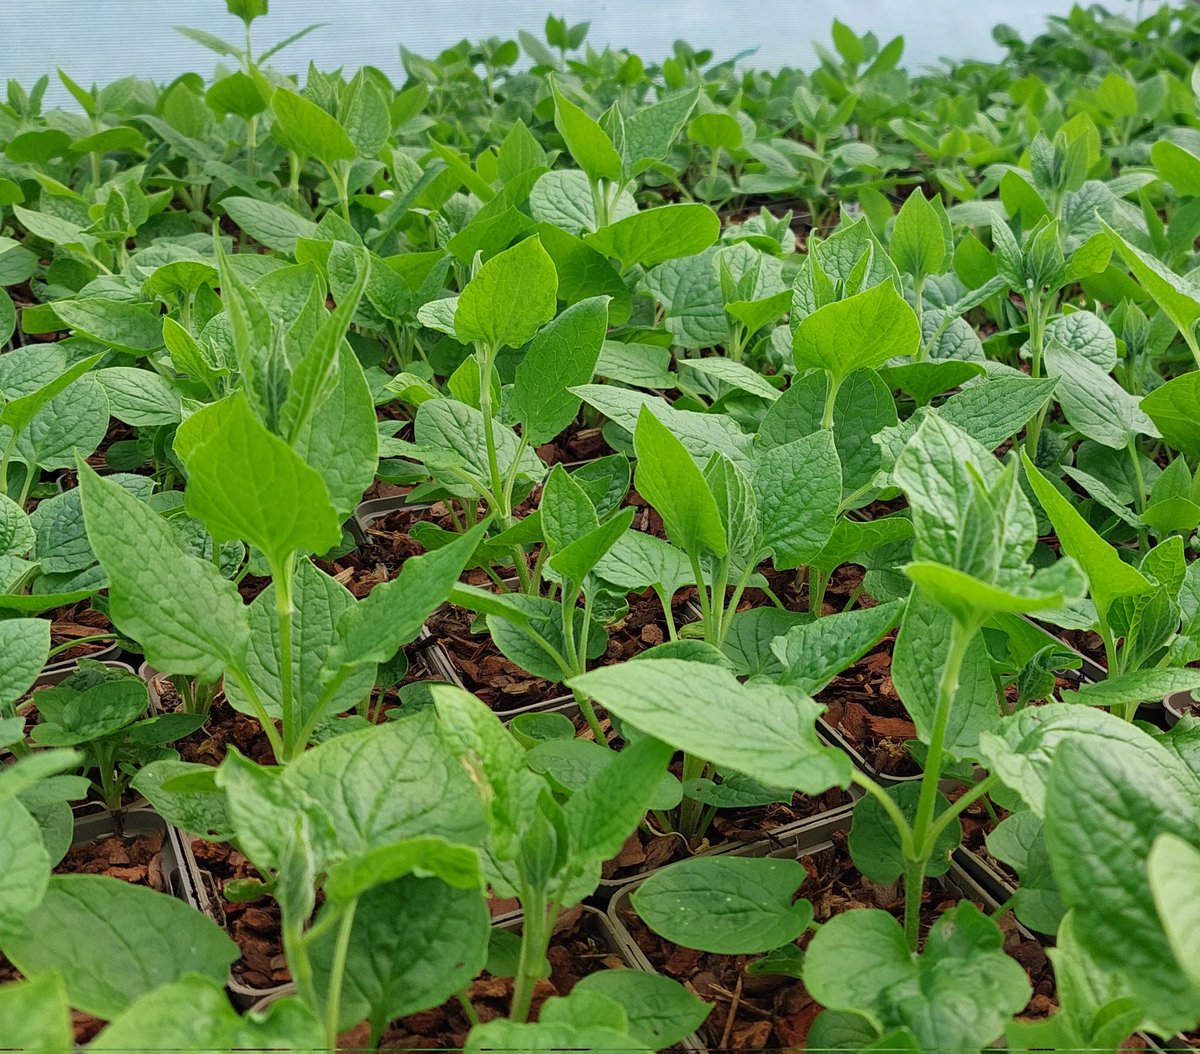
(880, 369)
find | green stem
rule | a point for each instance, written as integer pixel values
(830, 401)
(919, 307)
(914, 884)
(9, 447)
(691, 811)
(487, 365)
(284, 610)
(922, 837)
(1037, 329)
(818, 583)
(106, 763)
(260, 713)
(337, 972)
(535, 939)
(1139, 492)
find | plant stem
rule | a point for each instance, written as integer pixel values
(337, 972)
(830, 401)
(1037, 329)
(691, 812)
(923, 838)
(535, 939)
(1139, 491)
(284, 611)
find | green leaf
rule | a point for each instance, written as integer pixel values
(716, 131)
(321, 604)
(1174, 408)
(245, 483)
(691, 705)
(670, 480)
(19, 412)
(391, 615)
(651, 130)
(1173, 869)
(576, 560)
(1106, 804)
(661, 1011)
(194, 1014)
(37, 1016)
(561, 356)
(1137, 686)
(875, 843)
(355, 793)
(813, 653)
(918, 659)
(607, 809)
(25, 644)
(956, 996)
(588, 143)
(728, 905)
(414, 943)
(140, 397)
(798, 487)
(919, 245)
(238, 93)
(307, 130)
(1178, 298)
(862, 331)
(25, 862)
(128, 327)
(652, 236)
(509, 297)
(113, 942)
(199, 811)
(148, 573)
(341, 439)
(273, 225)
(318, 365)
(1109, 577)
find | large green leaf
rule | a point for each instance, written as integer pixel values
(671, 481)
(862, 331)
(1106, 804)
(692, 705)
(149, 574)
(956, 996)
(509, 297)
(561, 356)
(729, 905)
(113, 942)
(307, 130)
(245, 483)
(652, 236)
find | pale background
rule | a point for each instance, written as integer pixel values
(101, 40)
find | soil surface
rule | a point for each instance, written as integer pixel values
(863, 705)
(775, 1013)
(577, 442)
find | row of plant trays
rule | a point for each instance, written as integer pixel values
(971, 875)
